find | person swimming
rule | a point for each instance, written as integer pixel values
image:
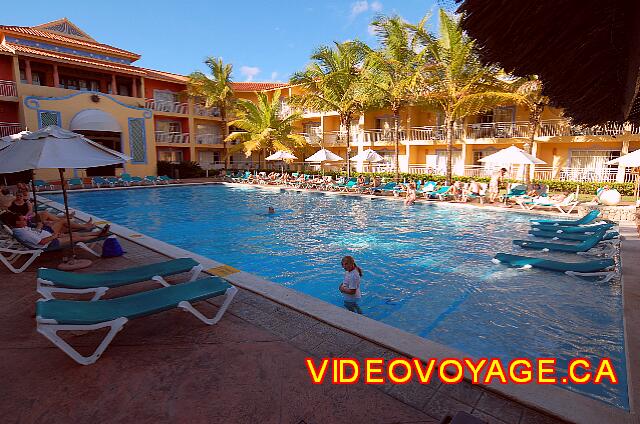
(271, 210)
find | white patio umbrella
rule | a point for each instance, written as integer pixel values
(630, 160)
(281, 155)
(512, 156)
(54, 147)
(323, 155)
(368, 155)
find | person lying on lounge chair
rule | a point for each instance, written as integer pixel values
(43, 239)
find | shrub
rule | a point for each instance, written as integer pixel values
(180, 170)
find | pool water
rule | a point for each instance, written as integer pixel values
(427, 268)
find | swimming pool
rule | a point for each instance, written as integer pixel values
(427, 268)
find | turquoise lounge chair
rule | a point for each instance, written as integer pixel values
(100, 182)
(114, 181)
(42, 185)
(439, 194)
(163, 179)
(55, 315)
(595, 268)
(610, 235)
(137, 180)
(589, 228)
(51, 281)
(73, 182)
(348, 186)
(587, 219)
(583, 246)
(151, 179)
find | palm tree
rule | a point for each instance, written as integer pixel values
(333, 82)
(454, 80)
(392, 72)
(263, 129)
(216, 90)
(529, 90)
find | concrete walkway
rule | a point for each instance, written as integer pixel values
(170, 367)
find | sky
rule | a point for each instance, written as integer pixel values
(264, 40)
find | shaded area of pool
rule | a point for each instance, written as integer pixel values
(427, 268)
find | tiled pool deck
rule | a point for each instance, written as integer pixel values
(248, 368)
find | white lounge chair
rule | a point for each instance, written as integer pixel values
(565, 206)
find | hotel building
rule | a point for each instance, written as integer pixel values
(55, 73)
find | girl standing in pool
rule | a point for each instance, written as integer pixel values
(350, 287)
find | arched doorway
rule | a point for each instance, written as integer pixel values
(101, 127)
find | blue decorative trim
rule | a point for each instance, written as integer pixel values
(40, 112)
(33, 102)
(144, 141)
(67, 50)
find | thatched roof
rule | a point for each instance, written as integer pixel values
(586, 52)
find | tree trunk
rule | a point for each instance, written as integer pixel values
(534, 123)
(449, 123)
(225, 134)
(396, 141)
(346, 122)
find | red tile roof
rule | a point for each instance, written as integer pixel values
(75, 59)
(166, 76)
(68, 40)
(257, 86)
(5, 48)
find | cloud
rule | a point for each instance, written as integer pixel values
(362, 6)
(249, 72)
(359, 7)
(274, 75)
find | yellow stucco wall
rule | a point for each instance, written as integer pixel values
(70, 102)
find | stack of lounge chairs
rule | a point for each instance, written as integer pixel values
(584, 236)
(55, 315)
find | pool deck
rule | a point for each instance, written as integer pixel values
(250, 366)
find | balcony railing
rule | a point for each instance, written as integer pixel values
(381, 137)
(8, 88)
(339, 138)
(208, 139)
(202, 110)
(312, 137)
(498, 130)
(548, 128)
(166, 106)
(8, 128)
(172, 137)
(580, 174)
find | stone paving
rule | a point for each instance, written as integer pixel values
(249, 368)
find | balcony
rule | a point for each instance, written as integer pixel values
(8, 128)
(166, 137)
(208, 139)
(339, 138)
(8, 89)
(166, 106)
(498, 130)
(201, 110)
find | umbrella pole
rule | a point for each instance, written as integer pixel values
(33, 188)
(66, 210)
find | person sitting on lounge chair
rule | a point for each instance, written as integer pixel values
(43, 239)
(472, 190)
(21, 206)
(456, 190)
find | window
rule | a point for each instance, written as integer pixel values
(165, 96)
(592, 159)
(209, 157)
(48, 117)
(170, 155)
(123, 90)
(137, 140)
(23, 76)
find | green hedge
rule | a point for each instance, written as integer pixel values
(180, 170)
